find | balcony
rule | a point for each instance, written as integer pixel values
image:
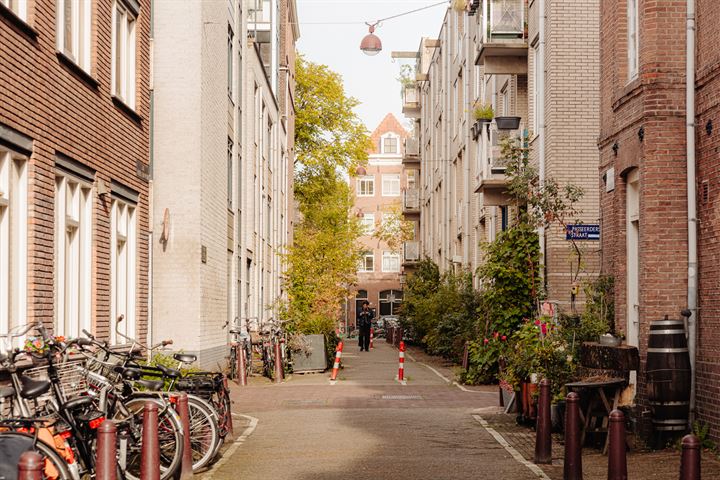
(411, 102)
(411, 152)
(411, 201)
(492, 182)
(503, 47)
(411, 253)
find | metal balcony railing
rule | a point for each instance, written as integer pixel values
(411, 199)
(412, 147)
(503, 19)
(411, 251)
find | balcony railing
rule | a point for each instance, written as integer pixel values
(411, 200)
(411, 252)
(412, 148)
(503, 19)
(503, 44)
(411, 102)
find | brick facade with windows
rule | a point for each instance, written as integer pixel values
(643, 149)
(62, 120)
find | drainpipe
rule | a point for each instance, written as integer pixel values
(468, 145)
(692, 293)
(540, 112)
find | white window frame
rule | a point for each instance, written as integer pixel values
(386, 190)
(387, 137)
(123, 269)
(18, 7)
(73, 260)
(124, 53)
(366, 181)
(13, 240)
(387, 257)
(73, 29)
(364, 262)
(633, 39)
(368, 223)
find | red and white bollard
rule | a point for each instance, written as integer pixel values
(336, 365)
(401, 365)
(372, 334)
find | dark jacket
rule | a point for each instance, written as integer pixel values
(364, 319)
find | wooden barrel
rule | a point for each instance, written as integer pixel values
(668, 375)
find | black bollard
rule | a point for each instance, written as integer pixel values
(543, 426)
(617, 454)
(106, 463)
(690, 460)
(572, 468)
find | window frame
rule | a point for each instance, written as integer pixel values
(633, 39)
(387, 255)
(368, 224)
(78, 47)
(390, 177)
(123, 278)
(359, 184)
(395, 142)
(20, 11)
(125, 54)
(363, 262)
(73, 271)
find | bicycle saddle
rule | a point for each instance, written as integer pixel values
(32, 388)
(236, 331)
(7, 392)
(185, 358)
(153, 385)
(169, 372)
(77, 402)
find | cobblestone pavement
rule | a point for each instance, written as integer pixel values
(368, 426)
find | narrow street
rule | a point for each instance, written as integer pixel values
(367, 426)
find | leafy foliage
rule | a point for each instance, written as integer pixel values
(327, 131)
(406, 77)
(394, 230)
(483, 359)
(482, 111)
(600, 304)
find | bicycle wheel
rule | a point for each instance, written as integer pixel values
(14, 444)
(169, 436)
(204, 432)
(232, 367)
(247, 351)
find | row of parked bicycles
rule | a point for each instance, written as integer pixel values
(258, 349)
(56, 408)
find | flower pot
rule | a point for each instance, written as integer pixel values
(507, 123)
(479, 126)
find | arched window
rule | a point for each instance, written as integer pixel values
(362, 295)
(390, 301)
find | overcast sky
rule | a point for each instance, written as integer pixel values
(331, 31)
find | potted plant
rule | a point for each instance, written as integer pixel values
(483, 115)
(459, 5)
(507, 123)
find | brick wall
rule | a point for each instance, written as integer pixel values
(45, 98)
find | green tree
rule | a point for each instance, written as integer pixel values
(394, 230)
(327, 130)
(330, 140)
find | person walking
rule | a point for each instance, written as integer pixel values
(364, 321)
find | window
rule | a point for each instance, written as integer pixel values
(73, 255)
(230, 174)
(391, 185)
(230, 63)
(367, 262)
(13, 241)
(73, 30)
(366, 186)
(390, 301)
(390, 262)
(504, 220)
(390, 145)
(123, 259)
(633, 38)
(368, 223)
(18, 7)
(123, 48)
(412, 176)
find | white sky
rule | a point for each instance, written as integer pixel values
(372, 80)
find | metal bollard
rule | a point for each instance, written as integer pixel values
(572, 468)
(279, 373)
(242, 367)
(543, 429)
(401, 365)
(150, 457)
(690, 460)
(617, 454)
(30, 466)
(336, 365)
(183, 410)
(106, 463)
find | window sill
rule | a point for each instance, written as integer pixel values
(18, 23)
(77, 70)
(126, 109)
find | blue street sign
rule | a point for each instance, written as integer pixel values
(582, 232)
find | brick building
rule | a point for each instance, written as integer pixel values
(650, 185)
(378, 195)
(74, 165)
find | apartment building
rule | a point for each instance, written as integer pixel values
(486, 55)
(658, 176)
(74, 166)
(221, 212)
(379, 195)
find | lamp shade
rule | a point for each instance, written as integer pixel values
(371, 44)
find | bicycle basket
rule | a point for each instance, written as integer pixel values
(102, 372)
(73, 381)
